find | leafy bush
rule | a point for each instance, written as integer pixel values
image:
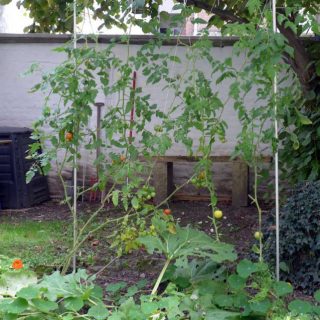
(56, 297)
(299, 237)
(248, 293)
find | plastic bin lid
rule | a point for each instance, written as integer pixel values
(10, 130)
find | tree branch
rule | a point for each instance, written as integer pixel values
(300, 63)
(226, 15)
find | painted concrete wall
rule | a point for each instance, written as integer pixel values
(18, 107)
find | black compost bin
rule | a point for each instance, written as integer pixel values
(15, 193)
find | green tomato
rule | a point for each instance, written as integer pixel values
(258, 235)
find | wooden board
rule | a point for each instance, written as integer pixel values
(265, 159)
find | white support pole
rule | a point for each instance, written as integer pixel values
(276, 156)
(75, 170)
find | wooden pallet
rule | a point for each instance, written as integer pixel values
(163, 177)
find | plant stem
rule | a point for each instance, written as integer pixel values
(259, 210)
(216, 230)
(156, 286)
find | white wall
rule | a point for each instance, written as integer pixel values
(167, 6)
(18, 107)
(21, 108)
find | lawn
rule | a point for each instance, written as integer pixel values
(40, 244)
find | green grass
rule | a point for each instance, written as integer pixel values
(40, 245)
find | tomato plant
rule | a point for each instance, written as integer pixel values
(126, 163)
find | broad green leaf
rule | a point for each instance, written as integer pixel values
(236, 282)
(98, 312)
(241, 300)
(73, 303)
(131, 291)
(186, 242)
(171, 304)
(223, 300)
(13, 281)
(56, 286)
(116, 316)
(97, 292)
(221, 315)
(115, 287)
(300, 307)
(149, 307)
(44, 305)
(282, 288)
(261, 307)
(28, 293)
(129, 310)
(17, 306)
(245, 268)
(211, 287)
(152, 244)
(141, 283)
(4, 304)
(12, 316)
(165, 16)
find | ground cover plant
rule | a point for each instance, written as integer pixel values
(200, 277)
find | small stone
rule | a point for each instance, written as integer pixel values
(95, 243)
(142, 275)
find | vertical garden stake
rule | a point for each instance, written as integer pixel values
(75, 171)
(99, 106)
(275, 89)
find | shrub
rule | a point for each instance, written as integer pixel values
(299, 237)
